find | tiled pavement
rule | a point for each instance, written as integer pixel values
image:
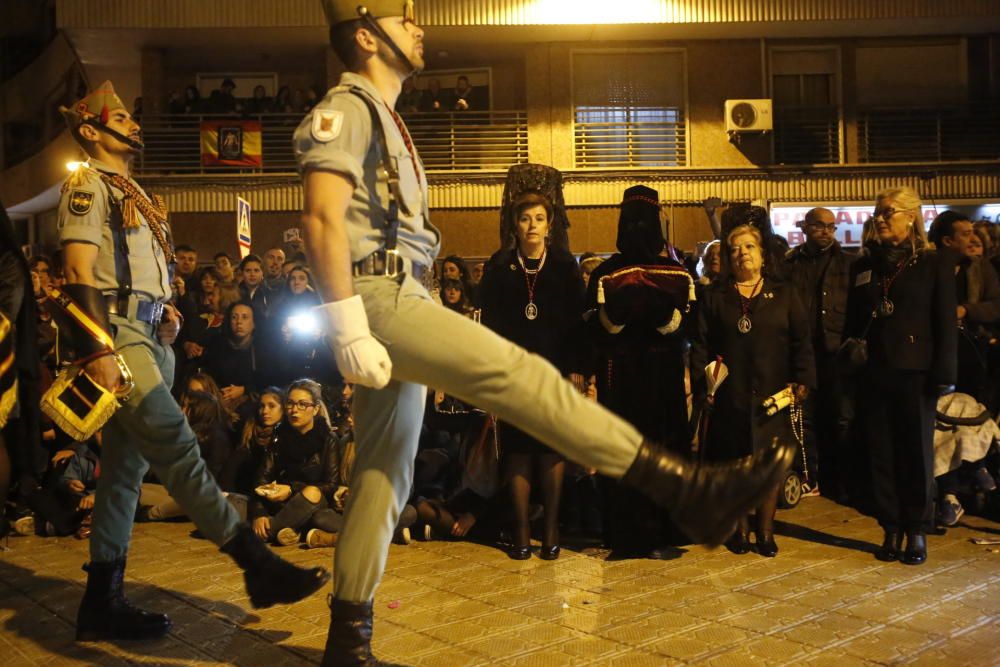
(824, 600)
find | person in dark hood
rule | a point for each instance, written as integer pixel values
(20, 417)
(636, 330)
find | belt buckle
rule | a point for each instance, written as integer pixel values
(393, 260)
(157, 313)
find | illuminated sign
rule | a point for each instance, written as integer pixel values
(851, 218)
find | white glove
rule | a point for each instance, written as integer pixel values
(360, 358)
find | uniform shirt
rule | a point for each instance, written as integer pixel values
(85, 217)
(337, 135)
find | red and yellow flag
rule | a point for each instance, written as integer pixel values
(232, 143)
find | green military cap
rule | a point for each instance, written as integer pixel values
(338, 11)
(96, 106)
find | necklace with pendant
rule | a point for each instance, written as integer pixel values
(744, 324)
(886, 307)
(530, 279)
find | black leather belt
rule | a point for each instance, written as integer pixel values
(150, 312)
(387, 263)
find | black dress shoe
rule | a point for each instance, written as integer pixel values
(766, 546)
(889, 551)
(519, 553)
(549, 553)
(916, 549)
(706, 500)
(738, 543)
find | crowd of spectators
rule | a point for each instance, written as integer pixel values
(226, 100)
(261, 390)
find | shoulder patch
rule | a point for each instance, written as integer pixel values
(80, 202)
(326, 124)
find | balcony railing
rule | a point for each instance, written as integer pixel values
(487, 140)
(807, 135)
(613, 137)
(970, 132)
(473, 140)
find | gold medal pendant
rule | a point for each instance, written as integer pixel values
(744, 324)
(886, 307)
(531, 311)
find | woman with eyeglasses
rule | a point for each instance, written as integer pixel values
(903, 303)
(298, 472)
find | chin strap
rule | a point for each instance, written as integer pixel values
(372, 24)
(128, 141)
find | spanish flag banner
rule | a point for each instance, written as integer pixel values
(231, 143)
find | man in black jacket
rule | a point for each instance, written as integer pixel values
(820, 270)
(978, 291)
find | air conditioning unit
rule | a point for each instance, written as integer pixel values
(748, 116)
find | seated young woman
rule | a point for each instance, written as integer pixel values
(298, 472)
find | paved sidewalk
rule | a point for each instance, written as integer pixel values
(824, 600)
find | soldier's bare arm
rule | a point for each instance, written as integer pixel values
(79, 260)
(327, 195)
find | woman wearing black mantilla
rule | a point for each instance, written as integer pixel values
(532, 294)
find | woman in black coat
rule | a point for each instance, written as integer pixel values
(760, 329)
(903, 302)
(298, 473)
(532, 294)
(231, 359)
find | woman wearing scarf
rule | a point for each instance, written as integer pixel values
(902, 302)
(298, 472)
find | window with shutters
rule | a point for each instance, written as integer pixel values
(805, 89)
(629, 109)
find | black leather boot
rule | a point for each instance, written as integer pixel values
(891, 546)
(706, 500)
(349, 641)
(269, 578)
(916, 548)
(105, 612)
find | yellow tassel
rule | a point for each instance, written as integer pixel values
(600, 291)
(77, 177)
(7, 403)
(130, 215)
(691, 292)
(161, 205)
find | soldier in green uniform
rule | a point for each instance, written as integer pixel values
(370, 242)
(118, 258)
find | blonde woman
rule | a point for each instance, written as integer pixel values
(903, 303)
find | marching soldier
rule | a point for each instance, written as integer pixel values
(118, 256)
(370, 243)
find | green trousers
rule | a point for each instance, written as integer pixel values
(150, 431)
(432, 346)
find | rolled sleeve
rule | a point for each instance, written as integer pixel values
(345, 150)
(77, 225)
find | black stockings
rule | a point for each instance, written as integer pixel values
(765, 515)
(551, 468)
